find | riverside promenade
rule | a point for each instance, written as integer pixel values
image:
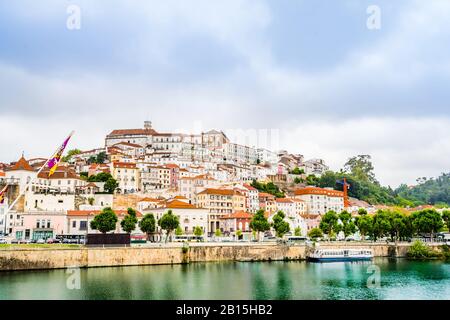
(34, 258)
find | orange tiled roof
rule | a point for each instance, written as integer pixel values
(126, 165)
(147, 132)
(62, 172)
(249, 187)
(177, 204)
(238, 215)
(22, 164)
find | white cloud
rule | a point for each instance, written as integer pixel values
(402, 149)
(359, 106)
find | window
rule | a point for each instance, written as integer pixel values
(83, 225)
(48, 224)
(74, 224)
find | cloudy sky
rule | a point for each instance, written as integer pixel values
(309, 72)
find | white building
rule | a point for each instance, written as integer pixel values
(319, 201)
(189, 215)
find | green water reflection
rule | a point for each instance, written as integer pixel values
(400, 279)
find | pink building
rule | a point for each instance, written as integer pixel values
(39, 225)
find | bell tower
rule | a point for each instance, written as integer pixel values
(147, 125)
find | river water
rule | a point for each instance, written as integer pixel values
(381, 279)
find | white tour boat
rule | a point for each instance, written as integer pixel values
(334, 255)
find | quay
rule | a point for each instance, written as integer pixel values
(172, 253)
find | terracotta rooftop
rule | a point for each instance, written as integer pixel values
(177, 204)
(126, 165)
(62, 172)
(22, 164)
(238, 215)
(140, 132)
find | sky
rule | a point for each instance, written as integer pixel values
(311, 73)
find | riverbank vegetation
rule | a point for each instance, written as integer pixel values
(420, 251)
(393, 224)
(359, 173)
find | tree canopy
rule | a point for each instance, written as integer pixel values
(104, 221)
(281, 227)
(269, 187)
(148, 223)
(128, 224)
(259, 222)
(169, 222)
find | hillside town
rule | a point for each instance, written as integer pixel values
(205, 179)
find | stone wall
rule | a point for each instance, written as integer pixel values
(27, 259)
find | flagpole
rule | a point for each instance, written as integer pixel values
(31, 181)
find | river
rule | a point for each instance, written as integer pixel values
(381, 279)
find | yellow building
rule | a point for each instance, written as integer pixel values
(127, 176)
(220, 202)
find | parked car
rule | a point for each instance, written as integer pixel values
(52, 241)
(14, 241)
(3, 241)
(40, 241)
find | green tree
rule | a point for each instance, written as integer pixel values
(91, 201)
(148, 224)
(198, 231)
(128, 223)
(427, 221)
(315, 233)
(101, 177)
(270, 188)
(169, 222)
(361, 167)
(259, 222)
(179, 231)
(362, 211)
(298, 180)
(105, 221)
(381, 225)
(312, 180)
(111, 185)
(329, 223)
(239, 234)
(281, 227)
(218, 233)
(101, 157)
(397, 223)
(70, 154)
(297, 232)
(348, 226)
(297, 170)
(365, 225)
(446, 218)
(92, 159)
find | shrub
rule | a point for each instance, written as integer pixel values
(420, 250)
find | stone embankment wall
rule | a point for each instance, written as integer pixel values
(28, 259)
